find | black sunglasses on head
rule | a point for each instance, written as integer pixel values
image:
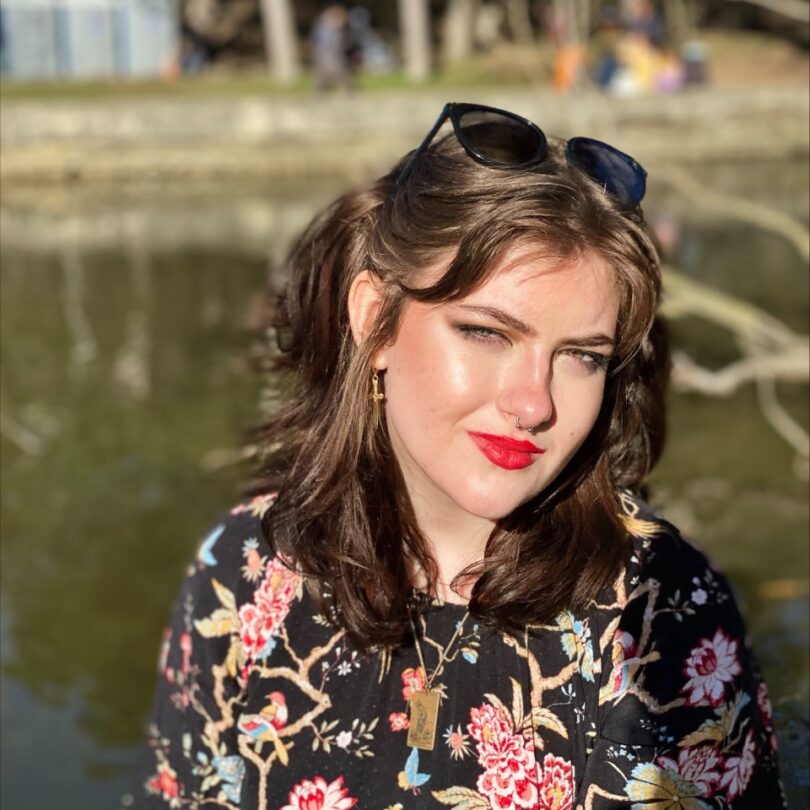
(503, 140)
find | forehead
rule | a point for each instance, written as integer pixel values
(579, 290)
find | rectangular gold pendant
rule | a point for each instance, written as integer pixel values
(424, 715)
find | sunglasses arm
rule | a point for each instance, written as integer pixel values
(445, 114)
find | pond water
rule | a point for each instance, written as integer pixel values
(125, 385)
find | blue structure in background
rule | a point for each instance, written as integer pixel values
(83, 39)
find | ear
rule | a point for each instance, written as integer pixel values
(365, 300)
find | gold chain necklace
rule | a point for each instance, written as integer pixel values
(424, 703)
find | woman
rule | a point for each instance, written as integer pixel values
(446, 592)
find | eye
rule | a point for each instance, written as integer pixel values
(481, 334)
(589, 361)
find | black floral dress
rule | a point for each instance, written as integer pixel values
(649, 700)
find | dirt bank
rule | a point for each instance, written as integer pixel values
(261, 137)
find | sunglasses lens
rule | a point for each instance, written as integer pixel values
(618, 173)
(501, 140)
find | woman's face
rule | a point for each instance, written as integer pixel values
(532, 342)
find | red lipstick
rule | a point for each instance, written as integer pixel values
(504, 451)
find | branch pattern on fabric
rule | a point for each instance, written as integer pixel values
(649, 699)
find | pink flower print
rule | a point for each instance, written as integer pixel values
(764, 704)
(254, 561)
(710, 666)
(257, 506)
(164, 783)
(413, 679)
(624, 649)
(398, 721)
(700, 765)
(317, 794)
(738, 770)
(556, 784)
(260, 620)
(766, 713)
(185, 646)
(457, 741)
(509, 780)
(489, 725)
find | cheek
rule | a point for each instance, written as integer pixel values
(580, 409)
(413, 385)
(426, 376)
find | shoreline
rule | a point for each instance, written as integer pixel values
(101, 142)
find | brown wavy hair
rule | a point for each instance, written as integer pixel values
(343, 516)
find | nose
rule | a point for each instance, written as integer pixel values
(527, 393)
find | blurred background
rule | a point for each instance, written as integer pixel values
(158, 157)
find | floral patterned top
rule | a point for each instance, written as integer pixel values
(649, 700)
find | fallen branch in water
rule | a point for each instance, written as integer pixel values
(772, 352)
(785, 425)
(19, 435)
(724, 205)
(684, 296)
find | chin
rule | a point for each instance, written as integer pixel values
(488, 507)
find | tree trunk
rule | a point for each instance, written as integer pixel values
(280, 41)
(520, 21)
(677, 21)
(415, 33)
(459, 25)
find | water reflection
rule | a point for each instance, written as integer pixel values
(122, 339)
(120, 380)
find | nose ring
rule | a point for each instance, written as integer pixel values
(520, 427)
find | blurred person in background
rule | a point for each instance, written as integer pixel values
(447, 589)
(367, 50)
(643, 19)
(332, 50)
(604, 56)
(629, 54)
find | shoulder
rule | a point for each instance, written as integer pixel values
(661, 559)
(679, 680)
(234, 561)
(674, 616)
(670, 594)
(235, 534)
(238, 593)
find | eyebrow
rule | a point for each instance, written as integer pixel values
(596, 339)
(499, 315)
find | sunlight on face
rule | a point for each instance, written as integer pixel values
(532, 342)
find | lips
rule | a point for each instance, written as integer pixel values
(506, 452)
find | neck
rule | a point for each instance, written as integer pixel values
(454, 542)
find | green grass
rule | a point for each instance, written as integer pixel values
(229, 85)
(187, 86)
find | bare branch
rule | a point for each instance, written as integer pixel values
(726, 381)
(780, 420)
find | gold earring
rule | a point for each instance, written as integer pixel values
(376, 395)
